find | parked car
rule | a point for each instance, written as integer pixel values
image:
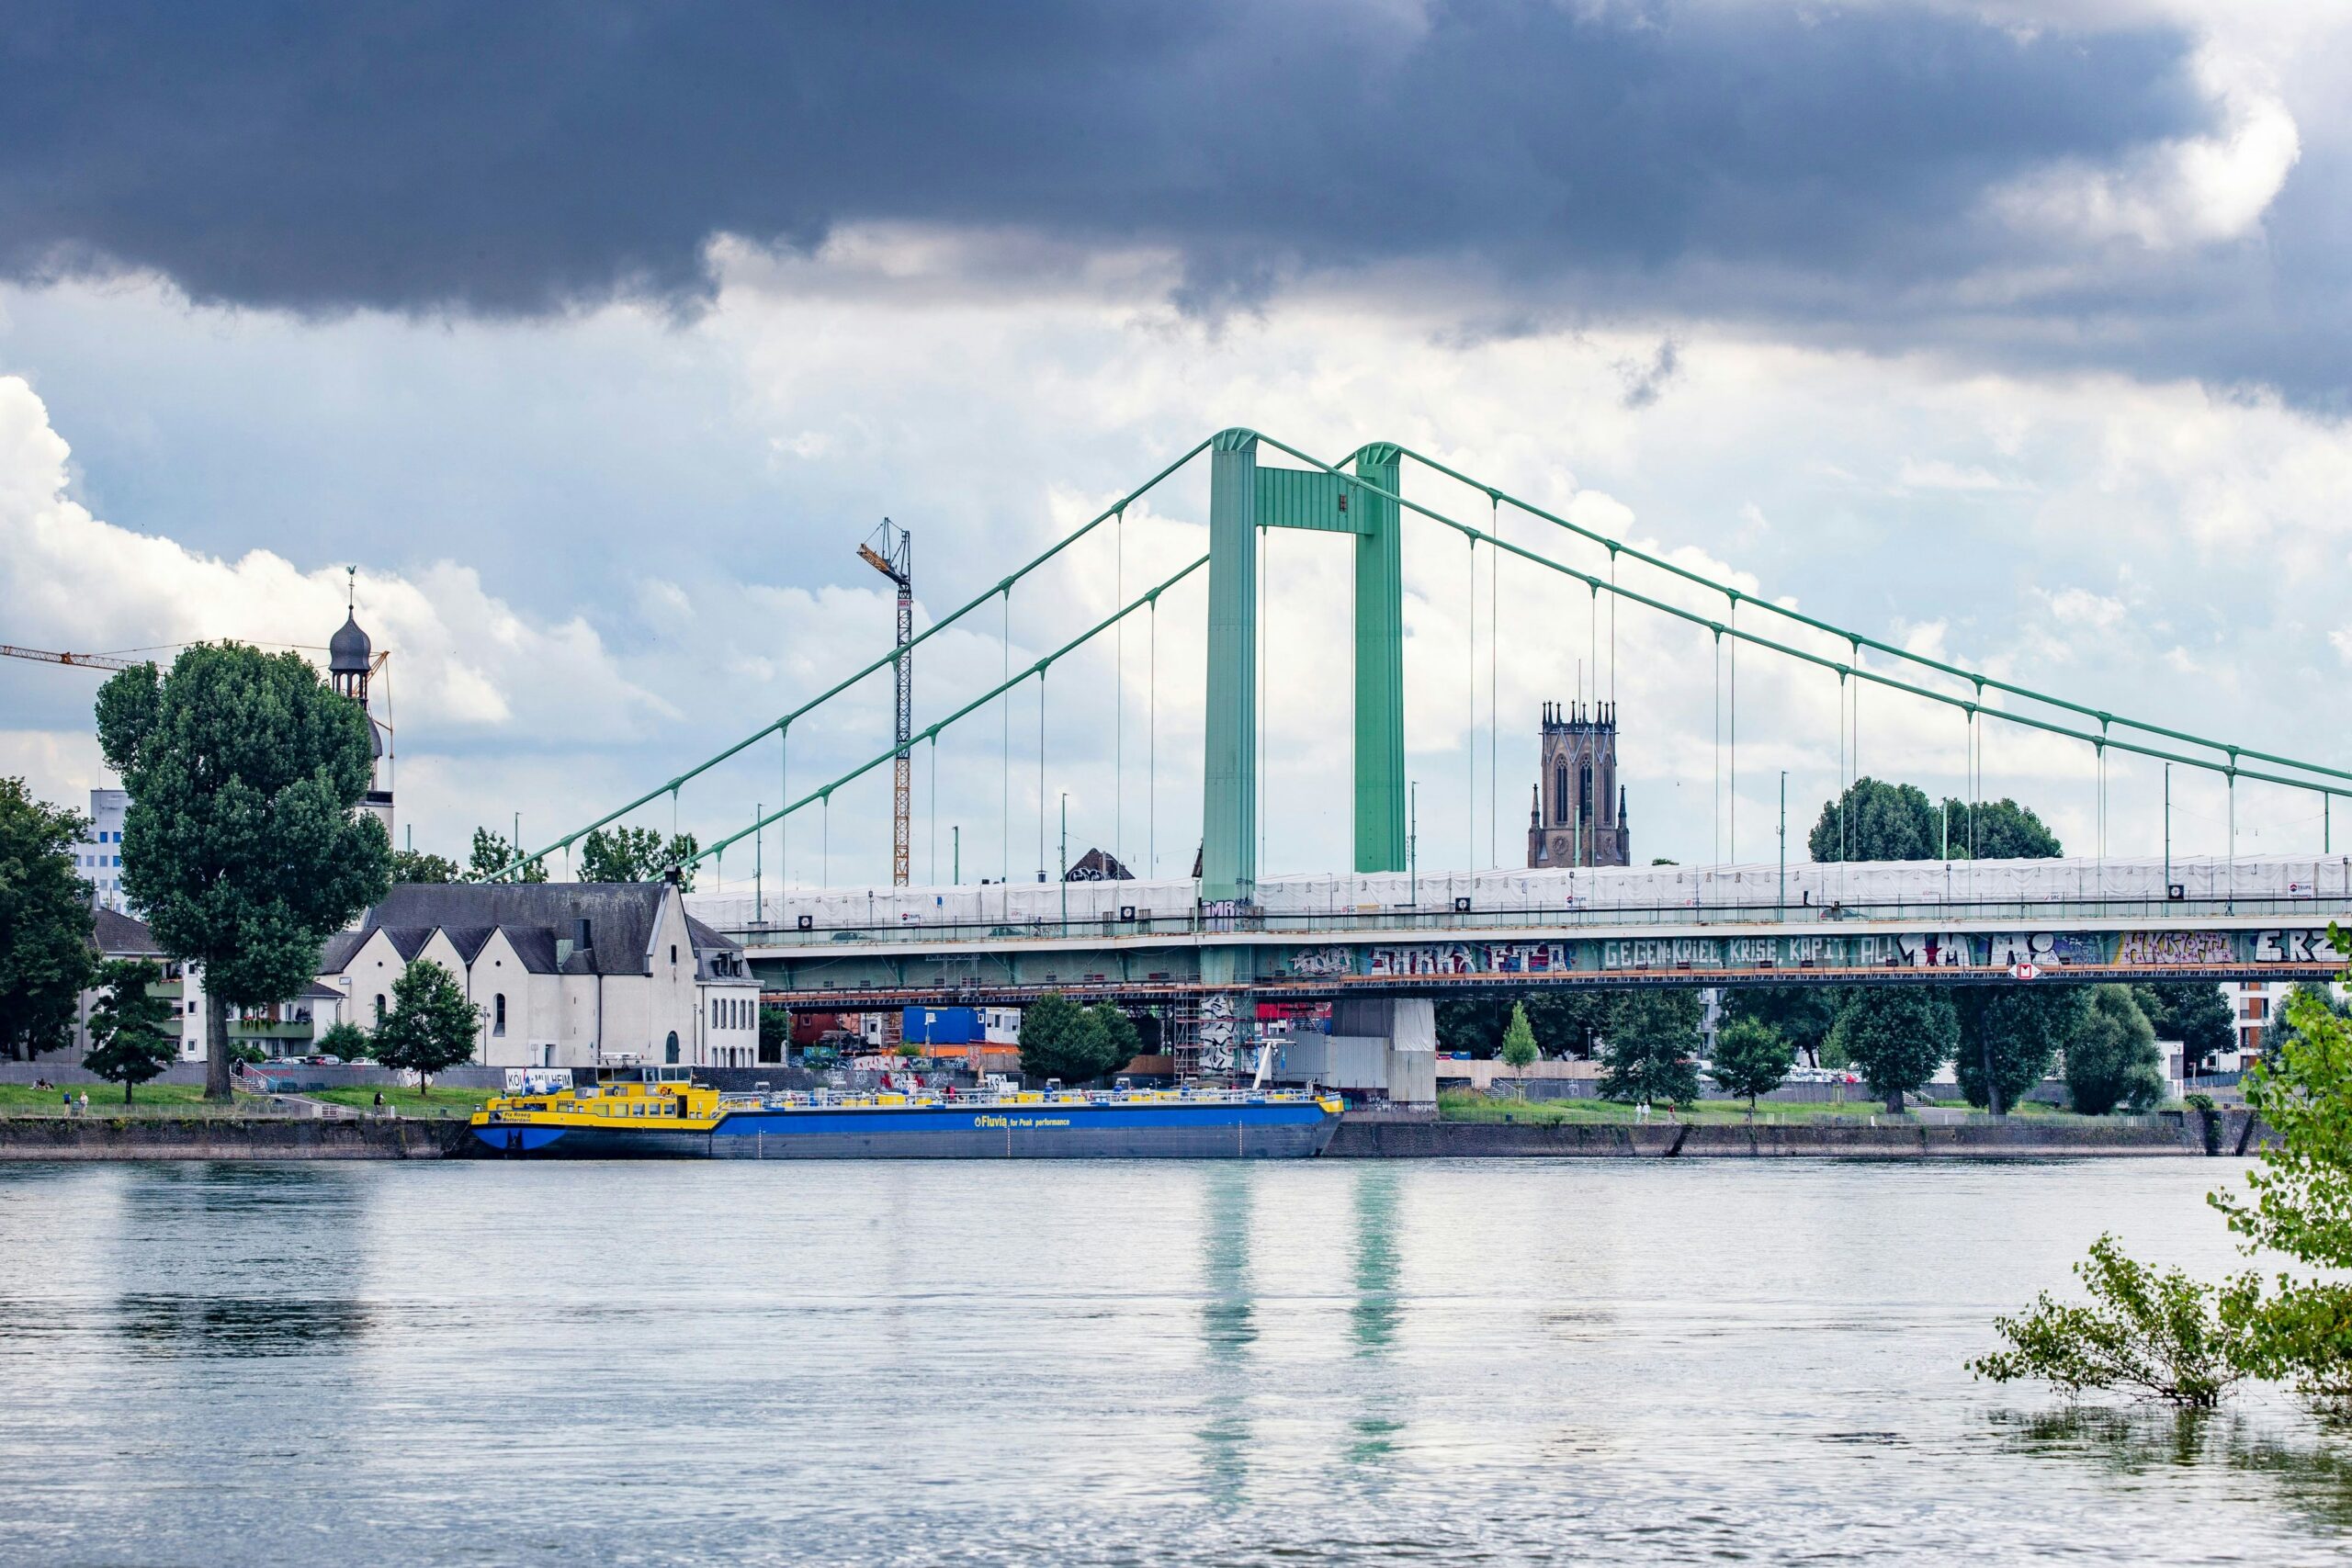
(322, 1061)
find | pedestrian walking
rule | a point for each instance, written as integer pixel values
(1641, 1112)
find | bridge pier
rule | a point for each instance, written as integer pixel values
(1405, 1028)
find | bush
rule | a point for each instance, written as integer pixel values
(348, 1040)
(2154, 1335)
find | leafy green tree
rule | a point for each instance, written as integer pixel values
(1802, 1015)
(415, 865)
(1061, 1039)
(1519, 1041)
(2002, 830)
(1653, 1037)
(2112, 1059)
(2194, 1013)
(1568, 1023)
(1122, 1042)
(2160, 1334)
(133, 1037)
(347, 1039)
(491, 854)
(1752, 1058)
(1896, 1036)
(1876, 820)
(45, 920)
(2009, 1039)
(636, 854)
(2304, 998)
(431, 1027)
(244, 842)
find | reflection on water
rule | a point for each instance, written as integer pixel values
(1229, 1327)
(2305, 1468)
(1330, 1360)
(235, 1325)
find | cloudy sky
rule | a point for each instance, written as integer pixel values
(597, 336)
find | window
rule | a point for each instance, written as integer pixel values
(498, 1014)
(379, 1009)
(673, 953)
(670, 1049)
(1584, 792)
(1560, 794)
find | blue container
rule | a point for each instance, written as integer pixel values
(941, 1026)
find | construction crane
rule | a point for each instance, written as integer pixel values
(894, 559)
(79, 660)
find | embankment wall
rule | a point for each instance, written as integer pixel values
(2168, 1135)
(97, 1136)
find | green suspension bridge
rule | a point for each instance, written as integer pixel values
(1229, 932)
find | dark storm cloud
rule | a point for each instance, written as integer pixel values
(516, 157)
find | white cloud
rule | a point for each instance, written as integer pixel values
(2191, 191)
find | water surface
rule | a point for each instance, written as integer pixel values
(1503, 1362)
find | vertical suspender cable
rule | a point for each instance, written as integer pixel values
(1494, 685)
(1612, 627)
(1258, 731)
(1041, 775)
(1732, 833)
(784, 792)
(1470, 737)
(1716, 805)
(1004, 752)
(1151, 758)
(1119, 697)
(933, 873)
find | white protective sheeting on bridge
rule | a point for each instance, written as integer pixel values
(1724, 890)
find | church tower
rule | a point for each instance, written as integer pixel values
(1578, 814)
(350, 663)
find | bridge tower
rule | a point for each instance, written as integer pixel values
(1243, 497)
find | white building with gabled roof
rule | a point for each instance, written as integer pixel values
(562, 974)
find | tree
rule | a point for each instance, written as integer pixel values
(1875, 820)
(2002, 830)
(1652, 1035)
(431, 1026)
(1568, 1023)
(130, 1040)
(243, 842)
(1803, 1015)
(2194, 1013)
(1878, 820)
(2315, 999)
(1519, 1041)
(415, 865)
(2160, 1334)
(1059, 1039)
(1752, 1058)
(2111, 1060)
(1122, 1042)
(347, 1039)
(491, 854)
(1897, 1036)
(45, 920)
(2009, 1039)
(776, 1034)
(636, 854)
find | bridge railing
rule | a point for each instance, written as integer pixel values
(1422, 922)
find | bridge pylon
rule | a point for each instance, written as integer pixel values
(1243, 497)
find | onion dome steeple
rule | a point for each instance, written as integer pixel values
(349, 651)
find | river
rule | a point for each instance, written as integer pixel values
(1509, 1360)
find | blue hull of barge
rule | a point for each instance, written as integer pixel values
(1174, 1131)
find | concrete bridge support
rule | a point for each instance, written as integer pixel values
(1405, 1028)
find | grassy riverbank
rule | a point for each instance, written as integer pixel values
(106, 1100)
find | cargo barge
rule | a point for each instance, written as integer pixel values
(661, 1114)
